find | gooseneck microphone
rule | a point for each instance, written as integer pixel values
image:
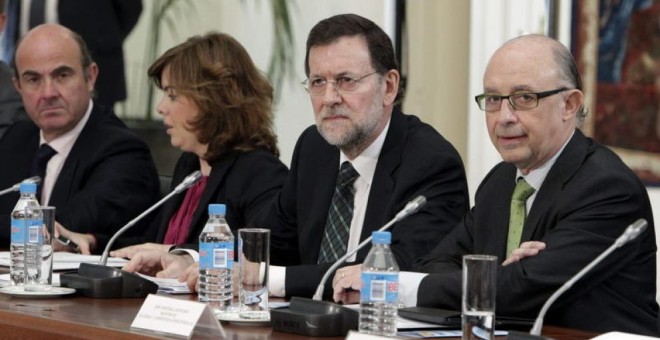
(410, 208)
(631, 232)
(313, 317)
(187, 182)
(15, 187)
(101, 281)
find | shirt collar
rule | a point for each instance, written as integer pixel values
(365, 163)
(536, 177)
(64, 143)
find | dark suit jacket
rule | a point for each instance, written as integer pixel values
(246, 182)
(103, 25)
(11, 104)
(107, 179)
(415, 160)
(586, 201)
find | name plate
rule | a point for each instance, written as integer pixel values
(166, 315)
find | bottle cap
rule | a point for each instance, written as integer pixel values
(381, 237)
(28, 188)
(217, 209)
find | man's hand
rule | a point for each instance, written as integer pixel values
(191, 276)
(347, 283)
(159, 264)
(129, 252)
(526, 249)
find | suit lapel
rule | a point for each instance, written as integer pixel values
(219, 170)
(567, 164)
(382, 185)
(69, 173)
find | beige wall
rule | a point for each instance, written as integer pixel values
(437, 91)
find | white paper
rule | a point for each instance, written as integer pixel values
(169, 286)
(68, 261)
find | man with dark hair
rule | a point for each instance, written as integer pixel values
(579, 198)
(97, 173)
(353, 83)
(11, 106)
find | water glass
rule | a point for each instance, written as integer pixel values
(254, 260)
(479, 294)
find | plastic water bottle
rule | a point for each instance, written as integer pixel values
(379, 295)
(216, 260)
(22, 218)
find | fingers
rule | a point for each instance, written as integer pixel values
(346, 284)
(526, 249)
(126, 252)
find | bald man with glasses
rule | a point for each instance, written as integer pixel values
(556, 201)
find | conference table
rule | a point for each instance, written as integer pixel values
(77, 317)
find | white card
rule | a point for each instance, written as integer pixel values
(168, 315)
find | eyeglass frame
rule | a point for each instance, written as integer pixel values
(539, 96)
(357, 81)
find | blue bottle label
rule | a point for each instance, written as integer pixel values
(214, 255)
(380, 287)
(17, 230)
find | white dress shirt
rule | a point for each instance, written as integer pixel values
(63, 145)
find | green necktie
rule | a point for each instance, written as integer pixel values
(518, 214)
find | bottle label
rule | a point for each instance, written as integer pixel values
(380, 287)
(22, 228)
(216, 255)
(35, 233)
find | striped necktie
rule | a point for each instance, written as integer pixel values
(335, 237)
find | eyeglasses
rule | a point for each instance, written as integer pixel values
(343, 84)
(519, 101)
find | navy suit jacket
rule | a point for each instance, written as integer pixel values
(107, 179)
(585, 203)
(245, 181)
(415, 160)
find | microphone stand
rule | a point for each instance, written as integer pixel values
(16, 187)
(631, 232)
(101, 281)
(314, 317)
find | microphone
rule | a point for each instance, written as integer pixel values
(100, 281)
(314, 317)
(410, 208)
(15, 187)
(631, 232)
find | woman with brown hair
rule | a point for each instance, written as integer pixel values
(217, 107)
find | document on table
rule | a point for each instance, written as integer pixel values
(68, 261)
(169, 286)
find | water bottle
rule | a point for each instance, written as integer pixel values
(216, 260)
(23, 219)
(379, 295)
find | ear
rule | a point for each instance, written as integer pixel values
(17, 84)
(92, 74)
(392, 79)
(572, 103)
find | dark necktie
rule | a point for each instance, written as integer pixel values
(37, 12)
(518, 213)
(39, 164)
(335, 237)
